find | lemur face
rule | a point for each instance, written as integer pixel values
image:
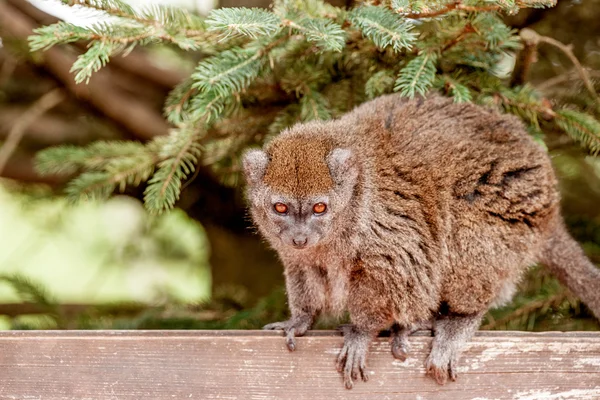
(298, 222)
(298, 189)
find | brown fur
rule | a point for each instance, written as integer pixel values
(297, 166)
(436, 214)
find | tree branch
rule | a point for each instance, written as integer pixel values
(38, 108)
(128, 111)
(534, 38)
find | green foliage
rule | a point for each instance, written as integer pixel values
(326, 34)
(380, 83)
(304, 60)
(383, 27)
(229, 72)
(180, 156)
(243, 21)
(29, 291)
(581, 127)
(453, 87)
(314, 106)
(418, 76)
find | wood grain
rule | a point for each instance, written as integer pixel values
(116, 365)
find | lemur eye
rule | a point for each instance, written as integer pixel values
(280, 208)
(319, 208)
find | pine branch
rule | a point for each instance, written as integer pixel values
(417, 76)
(162, 18)
(181, 154)
(229, 72)
(243, 22)
(581, 127)
(69, 159)
(380, 83)
(451, 86)
(383, 27)
(534, 38)
(178, 102)
(39, 107)
(529, 308)
(30, 291)
(314, 106)
(324, 33)
(403, 7)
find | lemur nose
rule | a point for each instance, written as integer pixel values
(300, 242)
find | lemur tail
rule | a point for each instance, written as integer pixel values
(565, 258)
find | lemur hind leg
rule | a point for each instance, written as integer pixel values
(400, 334)
(451, 332)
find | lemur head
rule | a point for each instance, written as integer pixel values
(299, 187)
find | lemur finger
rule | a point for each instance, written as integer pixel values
(363, 368)
(452, 370)
(274, 326)
(341, 360)
(290, 339)
(348, 370)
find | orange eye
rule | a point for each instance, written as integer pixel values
(319, 208)
(281, 208)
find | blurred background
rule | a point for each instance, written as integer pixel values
(111, 265)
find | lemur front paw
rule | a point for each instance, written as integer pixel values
(295, 326)
(351, 361)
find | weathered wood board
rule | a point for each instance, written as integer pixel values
(144, 365)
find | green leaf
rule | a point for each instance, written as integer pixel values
(90, 186)
(417, 76)
(582, 127)
(181, 154)
(383, 27)
(229, 72)
(314, 106)
(59, 160)
(451, 85)
(380, 83)
(324, 33)
(29, 291)
(251, 22)
(117, 7)
(60, 33)
(401, 6)
(178, 102)
(92, 60)
(211, 106)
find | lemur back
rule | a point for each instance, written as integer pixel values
(430, 207)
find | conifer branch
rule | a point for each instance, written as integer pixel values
(534, 38)
(326, 34)
(383, 27)
(244, 22)
(314, 106)
(39, 107)
(417, 76)
(162, 18)
(581, 127)
(401, 8)
(530, 307)
(181, 154)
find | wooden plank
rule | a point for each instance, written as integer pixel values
(116, 365)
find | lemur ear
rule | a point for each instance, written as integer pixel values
(342, 166)
(255, 165)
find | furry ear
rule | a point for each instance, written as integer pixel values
(342, 166)
(255, 165)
